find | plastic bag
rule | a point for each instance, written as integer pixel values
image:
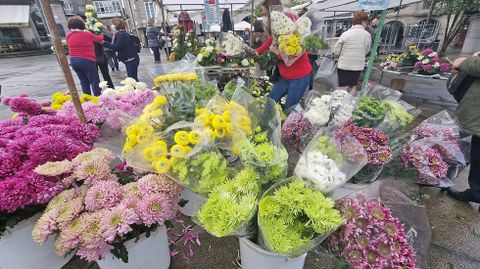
(231, 87)
(204, 91)
(321, 108)
(327, 72)
(185, 65)
(263, 149)
(293, 217)
(327, 161)
(297, 131)
(345, 111)
(378, 204)
(231, 207)
(382, 93)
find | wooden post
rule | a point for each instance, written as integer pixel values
(62, 58)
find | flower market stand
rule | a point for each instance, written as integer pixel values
(19, 251)
(428, 89)
(148, 253)
(255, 257)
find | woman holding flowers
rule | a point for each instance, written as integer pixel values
(351, 50)
(82, 55)
(295, 78)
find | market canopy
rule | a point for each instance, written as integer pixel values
(196, 5)
(342, 7)
(14, 16)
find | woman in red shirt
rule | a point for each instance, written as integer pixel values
(82, 55)
(294, 79)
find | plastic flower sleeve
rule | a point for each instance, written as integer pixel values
(297, 131)
(329, 161)
(345, 111)
(399, 114)
(231, 207)
(263, 149)
(185, 65)
(382, 93)
(294, 217)
(231, 87)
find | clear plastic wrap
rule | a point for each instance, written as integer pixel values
(382, 93)
(327, 161)
(205, 90)
(294, 217)
(262, 150)
(231, 207)
(322, 108)
(345, 111)
(399, 114)
(185, 65)
(181, 100)
(231, 87)
(297, 131)
(378, 204)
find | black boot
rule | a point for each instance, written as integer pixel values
(464, 196)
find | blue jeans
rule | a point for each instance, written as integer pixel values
(88, 74)
(132, 68)
(294, 89)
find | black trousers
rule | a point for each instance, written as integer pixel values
(474, 176)
(156, 54)
(105, 74)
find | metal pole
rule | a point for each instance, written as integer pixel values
(57, 43)
(373, 52)
(162, 7)
(251, 23)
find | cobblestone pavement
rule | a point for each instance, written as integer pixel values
(455, 226)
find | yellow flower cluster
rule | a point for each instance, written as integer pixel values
(162, 157)
(89, 7)
(220, 121)
(395, 58)
(175, 77)
(141, 131)
(59, 99)
(290, 44)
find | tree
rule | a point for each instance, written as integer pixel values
(457, 12)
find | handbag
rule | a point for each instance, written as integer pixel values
(327, 72)
(458, 85)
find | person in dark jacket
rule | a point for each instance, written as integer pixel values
(111, 55)
(102, 61)
(468, 119)
(155, 41)
(126, 47)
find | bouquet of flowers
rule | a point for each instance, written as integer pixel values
(209, 56)
(330, 161)
(35, 137)
(313, 43)
(375, 144)
(434, 151)
(289, 33)
(259, 86)
(175, 77)
(320, 110)
(371, 236)
(93, 24)
(294, 218)
(392, 62)
(369, 112)
(297, 131)
(430, 63)
(398, 115)
(204, 92)
(231, 206)
(103, 214)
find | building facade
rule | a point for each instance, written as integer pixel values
(22, 26)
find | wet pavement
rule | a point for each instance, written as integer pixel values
(455, 226)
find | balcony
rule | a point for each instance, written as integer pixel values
(108, 9)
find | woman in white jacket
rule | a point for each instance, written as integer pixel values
(351, 50)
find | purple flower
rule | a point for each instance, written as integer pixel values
(445, 67)
(427, 67)
(418, 64)
(427, 51)
(436, 59)
(23, 105)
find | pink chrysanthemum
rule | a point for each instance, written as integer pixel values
(92, 245)
(92, 171)
(155, 208)
(45, 226)
(117, 221)
(54, 168)
(103, 194)
(154, 183)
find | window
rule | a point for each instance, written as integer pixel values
(150, 9)
(69, 8)
(107, 7)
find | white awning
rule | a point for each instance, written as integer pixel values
(327, 8)
(242, 26)
(14, 15)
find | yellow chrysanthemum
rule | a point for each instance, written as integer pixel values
(148, 154)
(187, 149)
(156, 113)
(131, 140)
(294, 41)
(227, 115)
(158, 151)
(57, 107)
(89, 7)
(88, 14)
(299, 50)
(133, 129)
(98, 24)
(162, 165)
(146, 130)
(194, 137)
(160, 100)
(181, 138)
(219, 133)
(290, 50)
(177, 151)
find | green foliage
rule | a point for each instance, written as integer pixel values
(202, 172)
(450, 7)
(232, 205)
(204, 91)
(229, 89)
(369, 112)
(313, 43)
(293, 3)
(293, 215)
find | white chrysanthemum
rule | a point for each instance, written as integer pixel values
(129, 81)
(321, 170)
(199, 57)
(140, 86)
(103, 85)
(426, 61)
(54, 168)
(319, 112)
(281, 24)
(245, 62)
(108, 92)
(209, 49)
(304, 25)
(420, 58)
(436, 65)
(189, 44)
(433, 54)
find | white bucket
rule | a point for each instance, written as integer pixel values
(255, 257)
(19, 251)
(194, 202)
(148, 253)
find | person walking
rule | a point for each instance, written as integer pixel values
(82, 55)
(127, 47)
(467, 115)
(155, 41)
(351, 50)
(295, 78)
(102, 62)
(111, 55)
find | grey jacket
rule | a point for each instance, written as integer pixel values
(153, 36)
(468, 110)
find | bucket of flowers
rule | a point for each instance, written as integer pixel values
(431, 63)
